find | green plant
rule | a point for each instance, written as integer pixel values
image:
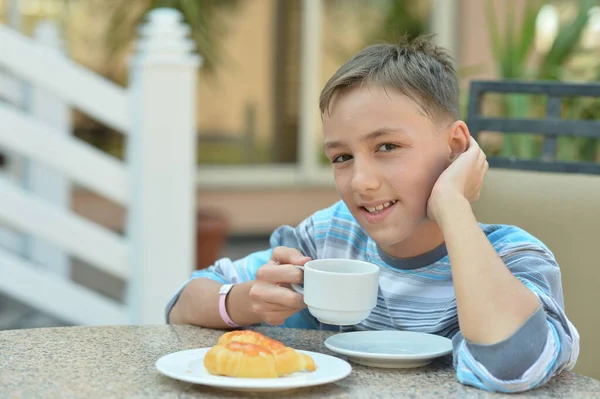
(378, 21)
(512, 52)
(205, 19)
(203, 16)
(402, 18)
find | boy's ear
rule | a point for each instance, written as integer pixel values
(458, 139)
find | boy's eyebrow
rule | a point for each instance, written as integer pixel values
(382, 131)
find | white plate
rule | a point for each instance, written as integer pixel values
(389, 349)
(189, 366)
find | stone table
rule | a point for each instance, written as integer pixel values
(119, 362)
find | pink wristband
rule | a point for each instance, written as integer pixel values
(223, 292)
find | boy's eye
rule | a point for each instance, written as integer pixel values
(341, 158)
(387, 147)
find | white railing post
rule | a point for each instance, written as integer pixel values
(310, 72)
(12, 91)
(162, 154)
(43, 182)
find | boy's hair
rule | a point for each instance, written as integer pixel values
(418, 69)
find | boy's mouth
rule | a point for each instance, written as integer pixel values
(374, 210)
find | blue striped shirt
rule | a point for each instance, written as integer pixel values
(417, 294)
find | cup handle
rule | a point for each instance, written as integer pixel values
(297, 287)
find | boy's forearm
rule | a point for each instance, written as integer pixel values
(492, 303)
(198, 304)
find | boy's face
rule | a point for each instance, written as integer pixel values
(385, 154)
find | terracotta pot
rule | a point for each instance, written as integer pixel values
(212, 229)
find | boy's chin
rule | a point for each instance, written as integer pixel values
(389, 237)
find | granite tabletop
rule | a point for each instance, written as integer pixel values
(119, 362)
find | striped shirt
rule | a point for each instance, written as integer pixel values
(417, 294)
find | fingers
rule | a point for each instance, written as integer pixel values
(481, 160)
(285, 300)
(278, 298)
(484, 170)
(276, 274)
(275, 307)
(288, 255)
(481, 157)
(476, 153)
(281, 268)
(274, 304)
(271, 300)
(473, 145)
(277, 318)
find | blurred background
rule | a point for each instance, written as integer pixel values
(257, 126)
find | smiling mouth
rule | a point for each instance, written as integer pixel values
(379, 208)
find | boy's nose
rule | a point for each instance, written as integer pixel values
(364, 179)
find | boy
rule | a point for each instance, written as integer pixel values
(406, 170)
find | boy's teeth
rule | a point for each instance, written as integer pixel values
(380, 207)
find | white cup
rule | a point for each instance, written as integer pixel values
(339, 291)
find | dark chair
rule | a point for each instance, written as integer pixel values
(551, 127)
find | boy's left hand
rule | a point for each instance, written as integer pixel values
(462, 179)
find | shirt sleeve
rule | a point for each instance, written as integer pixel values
(546, 344)
(226, 271)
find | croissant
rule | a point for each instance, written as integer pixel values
(251, 337)
(236, 351)
(288, 361)
(237, 359)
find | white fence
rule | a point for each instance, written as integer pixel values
(38, 86)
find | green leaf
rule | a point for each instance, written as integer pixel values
(565, 43)
(528, 29)
(509, 45)
(201, 15)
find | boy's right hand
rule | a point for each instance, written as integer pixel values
(270, 298)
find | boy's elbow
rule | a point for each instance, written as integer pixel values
(173, 315)
(487, 382)
(555, 357)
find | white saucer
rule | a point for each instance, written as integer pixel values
(389, 349)
(189, 366)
